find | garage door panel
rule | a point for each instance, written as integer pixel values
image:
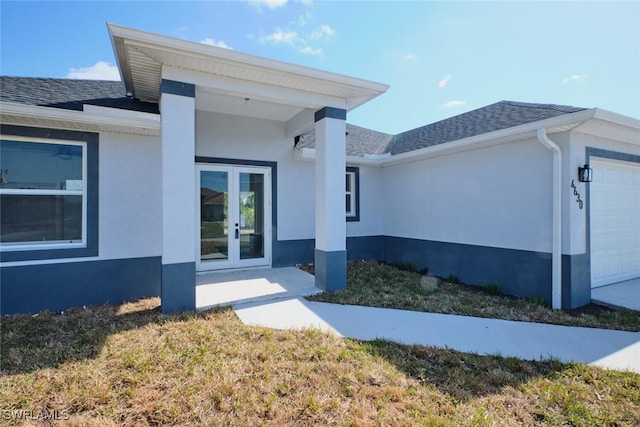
(615, 221)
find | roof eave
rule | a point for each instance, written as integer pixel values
(121, 36)
(123, 67)
(92, 119)
(618, 119)
(307, 154)
(554, 124)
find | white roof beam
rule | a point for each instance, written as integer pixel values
(300, 123)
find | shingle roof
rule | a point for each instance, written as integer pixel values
(72, 94)
(360, 141)
(501, 115)
(69, 94)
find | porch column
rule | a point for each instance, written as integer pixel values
(331, 226)
(177, 106)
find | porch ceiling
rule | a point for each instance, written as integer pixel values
(225, 78)
(210, 100)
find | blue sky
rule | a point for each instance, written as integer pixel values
(440, 58)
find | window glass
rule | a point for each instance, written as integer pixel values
(32, 165)
(41, 218)
(42, 192)
(349, 195)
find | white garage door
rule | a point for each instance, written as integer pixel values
(615, 221)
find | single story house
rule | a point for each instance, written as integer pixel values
(204, 158)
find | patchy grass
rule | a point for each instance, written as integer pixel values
(132, 365)
(376, 284)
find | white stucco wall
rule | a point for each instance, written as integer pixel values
(234, 137)
(498, 196)
(372, 203)
(130, 197)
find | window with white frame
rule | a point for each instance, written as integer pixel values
(43, 193)
(351, 194)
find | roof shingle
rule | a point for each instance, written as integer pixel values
(360, 141)
(69, 94)
(73, 94)
(494, 117)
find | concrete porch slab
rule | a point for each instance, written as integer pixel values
(624, 294)
(232, 287)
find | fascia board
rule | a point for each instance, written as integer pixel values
(95, 116)
(616, 118)
(123, 116)
(363, 161)
(307, 154)
(488, 139)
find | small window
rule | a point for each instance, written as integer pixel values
(43, 194)
(352, 201)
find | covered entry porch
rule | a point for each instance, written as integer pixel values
(188, 78)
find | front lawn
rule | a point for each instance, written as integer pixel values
(376, 284)
(131, 365)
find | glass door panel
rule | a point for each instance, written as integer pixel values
(251, 208)
(214, 216)
(234, 215)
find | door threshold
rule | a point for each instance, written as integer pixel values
(232, 269)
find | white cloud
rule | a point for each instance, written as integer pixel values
(212, 42)
(304, 19)
(280, 36)
(452, 104)
(324, 31)
(578, 78)
(410, 57)
(271, 4)
(310, 51)
(180, 30)
(100, 71)
(442, 83)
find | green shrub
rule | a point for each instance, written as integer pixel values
(405, 266)
(410, 267)
(453, 279)
(493, 288)
(533, 299)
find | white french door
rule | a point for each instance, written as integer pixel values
(234, 214)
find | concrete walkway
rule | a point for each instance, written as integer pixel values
(533, 341)
(274, 298)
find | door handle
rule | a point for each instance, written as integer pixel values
(237, 232)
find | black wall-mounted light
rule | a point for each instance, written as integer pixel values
(585, 173)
